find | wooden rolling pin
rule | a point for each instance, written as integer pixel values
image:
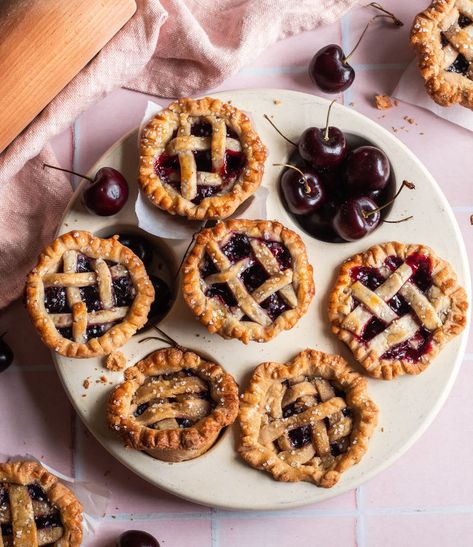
(43, 45)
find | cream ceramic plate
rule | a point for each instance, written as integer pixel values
(407, 405)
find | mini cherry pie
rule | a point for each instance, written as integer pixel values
(443, 38)
(200, 159)
(36, 509)
(307, 420)
(87, 296)
(248, 279)
(173, 405)
(396, 306)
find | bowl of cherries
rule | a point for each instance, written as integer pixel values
(337, 186)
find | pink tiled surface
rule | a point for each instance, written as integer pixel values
(424, 499)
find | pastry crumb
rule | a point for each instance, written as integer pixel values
(115, 361)
(103, 379)
(384, 102)
(471, 220)
(86, 383)
(410, 120)
(277, 102)
(352, 104)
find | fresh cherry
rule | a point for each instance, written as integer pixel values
(330, 71)
(137, 538)
(302, 191)
(107, 192)
(356, 218)
(359, 216)
(367, 169)
(329, 68)
(6, 354)
(139, 245)
(320, 223)
(324, 148)
(163, 298)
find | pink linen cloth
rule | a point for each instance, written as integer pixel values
(169, 48)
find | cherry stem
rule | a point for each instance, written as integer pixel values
(328, 117)
(283, 136)
(166, 338)
(67, 171)
(394, 19)
(398, 221)
(379, 7)
(307, 187)
(405, 184)
(2, 335)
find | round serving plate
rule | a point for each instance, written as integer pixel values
(407, 405)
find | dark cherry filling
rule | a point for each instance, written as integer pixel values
(236, 249)
(49, 521)
(123, 290)
(421, 265)
(336, 449)
(55, 300)
(7, 529)
(91, 297)
(37, 493)
(369, 277)
(3, 496)
(201, 129)
(301, 436)
(84, 264)
(222, 292)
(184, 422)
(140, 409)
(444, 40)
(464, 21)
(460, 65)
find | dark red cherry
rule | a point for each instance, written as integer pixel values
(163, 298)
(330, 71)
(367, 169)
(302, 190)
(139, 245)
(6, 354)
(356, 218)
(329, 68)
(107, 193)
(137, 538)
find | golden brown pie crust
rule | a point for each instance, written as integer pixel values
(446, 88)
(214, 315)
(30, 472)
(95, 248)
(260, 411)
(444, 278)
(178, 444)
(157, 134)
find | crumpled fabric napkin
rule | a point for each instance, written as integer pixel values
(169, 48)
(410, 89)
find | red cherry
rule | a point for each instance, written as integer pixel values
(330, 71)
(302, 190)
(367, 169)
(324, 148)
(137, 538)
(107, 192)
(356, 218)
